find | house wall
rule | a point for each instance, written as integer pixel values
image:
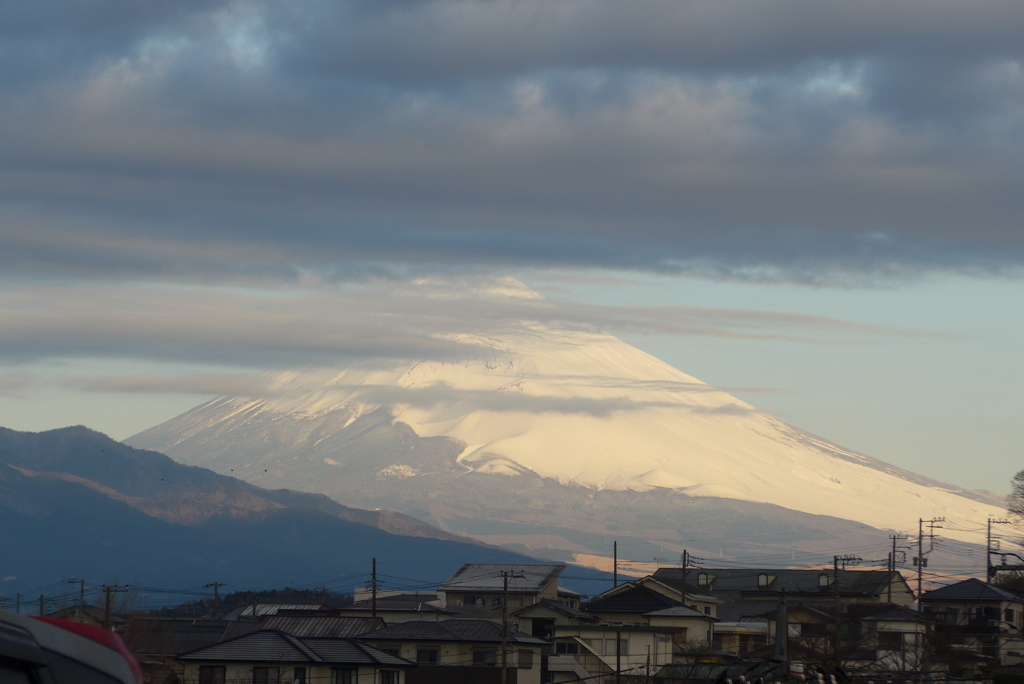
(599, 645)
(461, 655)
(696, 629)
(241, 673)
(525, 623)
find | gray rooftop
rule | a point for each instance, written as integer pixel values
(969, 590)
(400, 602)
(475, 631)
(680, 611)
(527, 579)
(746, 580)
(270, 609)
(267, 646)
(321, 627)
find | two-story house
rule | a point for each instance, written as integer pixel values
(979, 626)
(478, 589)
(462, 650)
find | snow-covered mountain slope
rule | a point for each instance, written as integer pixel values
(581, 409)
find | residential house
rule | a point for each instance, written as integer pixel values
(879, 640)
(398, 607)
(539, 619)
(273, 657)
(635, 628)
(978, 626)
(264, 609)
(483, 585)
(462, 650)
(749, 592)
(740, 637)
(593, 652)
(632, 603)
(648, 594)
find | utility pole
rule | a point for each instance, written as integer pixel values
(108, 591)
(81, 594)
(921, 561)
(504, 627)
(686, 563)
(892, 562)
(835, 592)
(782, 629)
(991, 570)
(618, 657)
(505, 577)
(988, 552)
(373, 590)
(216, 596)
(615, 563)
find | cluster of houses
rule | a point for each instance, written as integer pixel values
(515, 624)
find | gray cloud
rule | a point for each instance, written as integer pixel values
(219, 384)
(432, 397)
(16, 383)
(324, 324)
(818, 142)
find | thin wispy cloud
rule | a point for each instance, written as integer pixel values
(328, 325)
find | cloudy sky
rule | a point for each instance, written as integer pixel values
(816, 205)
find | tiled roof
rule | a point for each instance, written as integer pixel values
(318, 627)
(351, 652)
(487, 577)
(476, 631)
(268, 646)
(679, 611)
(270, 609)
(863, 582)
(402, 602)
(156, 636)
(263, 646)
(636, 599)
(969, 590)
(556, 606)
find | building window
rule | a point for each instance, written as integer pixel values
(572, 648)
(811, 630)
(485, 657)
(344, 675)
(388, 677)
(300, 676)
(707, 610)
(524, 660)
(469, 600)
(1008, 616)
(890, 641)
(391, 651)
(822, 580)
(266, 675)
(212, 674)
(426, 656)
(762, 580)
(623, 647)
(702, 579)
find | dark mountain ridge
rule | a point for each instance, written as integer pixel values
(163, 488)
(73, 502)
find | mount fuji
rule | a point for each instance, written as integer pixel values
(555, 441)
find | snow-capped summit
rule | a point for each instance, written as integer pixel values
(581, 409)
